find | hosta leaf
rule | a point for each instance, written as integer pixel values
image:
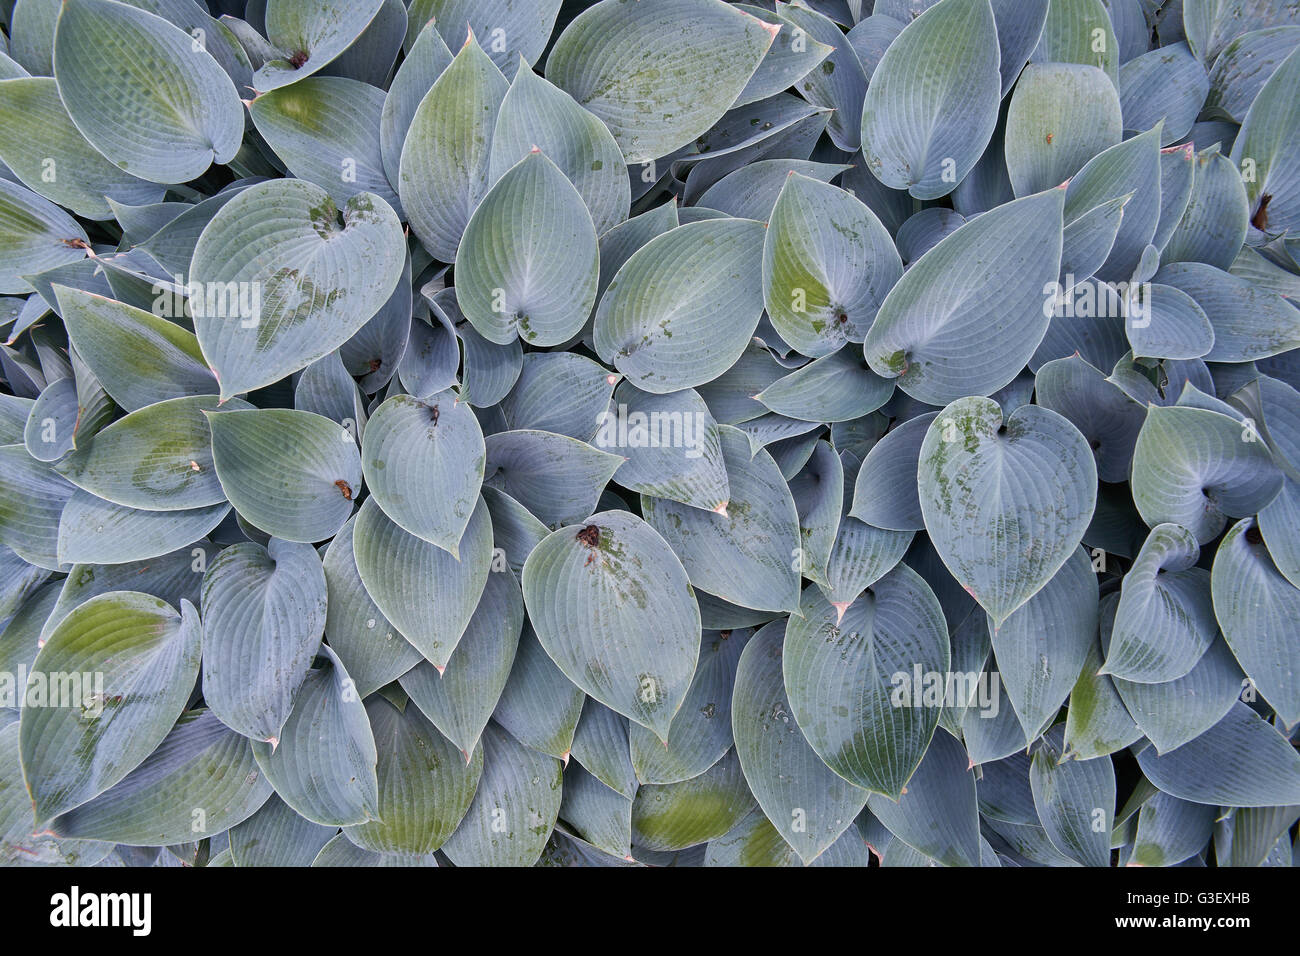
(786, 62)
(309, 35)
(424, 62)
(827, 264)
(276, 836)
(285, 283)
(425, 785)
(1042, 645)
(1132, 166)
(672, 446)
(32, 499)
(435, 443)
(1210, 24)
(1197, 468)
(862, 553)
(1170, 830)
(885, 494)
(807, 804)
(1006, 502)
(35, 235)
(558, 479)
(158, 458)
(539, 705)
(342, 852)
(601, 816)
(586, 584)
(1249, 322)
(747, 552)
(1267, 141)
(1104, 415)
(200, 781)
(849, 671)
(344, 161)
(937, 815)
(675, 316)
(968, 315)
(428, 594)
(444, 169)
(293, 474)
(1178, 165)
(601, 744)
(751, 191)
(39, 139)
(95, 531)
(368, 645)
(527, 263)
(839, 82)
(1166, 86)
(535, 113)
(1214, 222)
(1097, 723)
(1254, 604)
(1075, 800)
(263, 617)
(1165, 618)
(700, 733)
(1071, 35)
(103, 693)
(560, 392)
(1061, 115)
(679, 815)
(185, 112)
(514, 29)
(324, 764)
(514, 807)
(1244, 66)
(933, 100)
(460, 701)
(658, 75)
(18, 845)
(1239, 762)
(515, 530)
(1172, 713)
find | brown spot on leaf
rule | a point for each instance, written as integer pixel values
(1260, 219)
(589, 536)
(298, 58)
(1049, 139)
(374, 364)
(344, 488)
(1253, 535)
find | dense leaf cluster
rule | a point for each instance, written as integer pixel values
(485, 432)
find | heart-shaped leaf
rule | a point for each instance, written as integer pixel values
(1006, 502)
(282, 282)
(102, 694)
(586, 584)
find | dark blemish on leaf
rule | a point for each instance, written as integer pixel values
(434, 414)
(725, 635)
(298, 58)
(841, 317)
(828, 67)
(374, 364)
(345, 488)
(1095, 444)
(1260, 219)
(1253, 535)
(1049, 139)
(589, 536)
